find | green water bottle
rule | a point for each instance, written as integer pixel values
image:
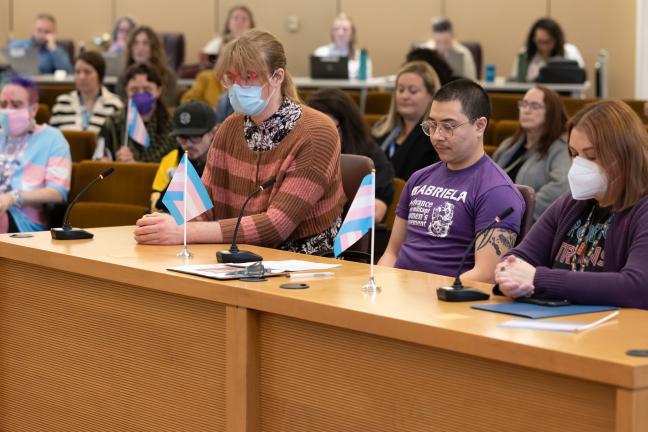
(522, 66)
(362, 69)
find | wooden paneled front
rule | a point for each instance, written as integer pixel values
(85, 354)
(324, 379)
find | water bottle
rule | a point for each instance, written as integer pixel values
(362, 69)
(490, 73)
(522, 66)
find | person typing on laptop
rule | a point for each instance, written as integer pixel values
(51, 56)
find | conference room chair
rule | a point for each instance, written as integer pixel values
(573, 105)
(503, 129)
(527, 219)
(43, 114)
(378, 102)
(475, 49)
(120, 199)
(174, 47)
(82, 144)
(637, 106)
(68, 46)
(372, 119)
(504, 106)
(47, 93)
(489, 144)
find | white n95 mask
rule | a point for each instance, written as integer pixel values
(586, 179)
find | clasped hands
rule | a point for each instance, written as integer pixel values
(515, 277)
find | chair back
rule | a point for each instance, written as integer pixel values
(354, 168)
(67, 45)
(504, 129)
(475, 49)
(174, 47)
(527, 219)
(43, 114)
(390, 216)
(82, 144)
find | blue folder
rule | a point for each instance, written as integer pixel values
(535, 311)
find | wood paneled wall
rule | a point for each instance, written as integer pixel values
(385, 27)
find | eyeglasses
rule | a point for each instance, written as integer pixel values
(446, 130)
(535, 106)
(191, 139)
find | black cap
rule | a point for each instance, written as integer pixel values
(193, 119)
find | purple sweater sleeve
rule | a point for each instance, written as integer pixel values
(626, 286)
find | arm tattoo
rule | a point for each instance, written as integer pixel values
(500, 239)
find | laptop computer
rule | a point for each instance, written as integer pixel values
(456, 61)
(329, 67)
(24, 61)
(115, 63)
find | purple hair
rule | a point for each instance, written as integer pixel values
(29, 85)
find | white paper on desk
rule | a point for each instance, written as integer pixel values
(570, 327)
(292, 265)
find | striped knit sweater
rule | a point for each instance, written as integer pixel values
(307, 197)
(67, 112)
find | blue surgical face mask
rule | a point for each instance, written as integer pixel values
(247, 100)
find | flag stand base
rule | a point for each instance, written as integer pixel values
(184, 254)
(371, 287)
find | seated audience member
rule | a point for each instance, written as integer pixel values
(537, 154)
(591, 245)
(444, 42)
(432, 57)
(144, 87)
(87, 107)
(52, 56)
(270, 136)
(356, 139)
(205, 88)
(193, 129)
(343, 36)
(144, 46)
(545, 40)
(444, 206)
(224, 108)
(239, 20)
(35, 164)
(121, 30)
(399, 133)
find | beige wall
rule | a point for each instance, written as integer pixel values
(385, 27)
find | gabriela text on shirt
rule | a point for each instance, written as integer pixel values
(434, 215)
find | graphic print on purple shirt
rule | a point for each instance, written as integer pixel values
(444, 209)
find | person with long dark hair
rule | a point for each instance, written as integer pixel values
(545, 40)
(356, 139)
(536, 155)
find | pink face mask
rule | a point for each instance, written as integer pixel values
(15, 122)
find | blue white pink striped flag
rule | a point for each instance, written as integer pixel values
(360, 217)
(197, 198)
(135, 124)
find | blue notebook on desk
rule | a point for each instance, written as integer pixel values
(535, 311)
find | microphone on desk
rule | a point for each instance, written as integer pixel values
(66, 232)
(458, 292)
(234, 255)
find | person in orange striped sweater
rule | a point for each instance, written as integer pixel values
(270, 135)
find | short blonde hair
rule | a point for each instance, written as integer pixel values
(259, 52)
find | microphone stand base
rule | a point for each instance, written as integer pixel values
(70, 234)
(237, 257)
(451, 294)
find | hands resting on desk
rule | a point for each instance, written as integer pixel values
(515, 277)
(158, 228)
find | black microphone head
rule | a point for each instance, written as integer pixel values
(107, 172)
(506, 213)
(268, 183)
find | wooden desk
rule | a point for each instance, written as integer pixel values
(97, 336)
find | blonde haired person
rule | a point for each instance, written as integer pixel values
(271, 135)
(591, 245)
(343, 38)
(398, 133)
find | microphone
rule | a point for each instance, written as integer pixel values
(66, 232)
(234, 255)
(458, 292)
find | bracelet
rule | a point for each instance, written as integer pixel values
(17, 198)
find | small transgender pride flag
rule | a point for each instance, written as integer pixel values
(360, 218)
(197, 201)
(135, 125)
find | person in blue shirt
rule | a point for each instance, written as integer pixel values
(52, 56)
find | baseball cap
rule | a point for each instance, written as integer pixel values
(193, 119)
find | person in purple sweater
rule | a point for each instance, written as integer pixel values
(591, 245)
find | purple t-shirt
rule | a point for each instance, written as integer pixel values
(444, 209)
